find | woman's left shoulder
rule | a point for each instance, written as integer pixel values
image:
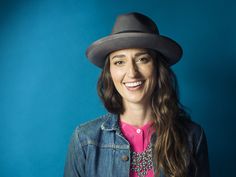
(195, 133)
(192, 127)
(197, 142)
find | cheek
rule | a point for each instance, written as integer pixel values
(148, 72)
(116, 76)
(117, 80)
(151, 75)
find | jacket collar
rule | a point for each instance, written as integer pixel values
(111, 123)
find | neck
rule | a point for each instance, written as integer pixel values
(137, 115)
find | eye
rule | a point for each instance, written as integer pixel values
(119, 62)
(143, 59)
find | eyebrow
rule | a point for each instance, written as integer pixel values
(136, 55)
(118, 56)
(141, 53)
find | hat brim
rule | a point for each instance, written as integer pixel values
(99, 50)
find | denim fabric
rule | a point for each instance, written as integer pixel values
(98, 149)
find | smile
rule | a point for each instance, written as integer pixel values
(133, 84)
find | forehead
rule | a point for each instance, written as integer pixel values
(132, 51)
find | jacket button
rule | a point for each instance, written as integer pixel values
(125, 158)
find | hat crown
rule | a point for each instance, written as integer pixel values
(134, 30)
(134, 22)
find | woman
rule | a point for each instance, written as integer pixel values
(146, 132)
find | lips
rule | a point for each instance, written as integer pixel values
(133, 85)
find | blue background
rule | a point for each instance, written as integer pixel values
(47, 86)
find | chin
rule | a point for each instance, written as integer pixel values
(136, 100)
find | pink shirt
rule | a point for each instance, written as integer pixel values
(139, 138)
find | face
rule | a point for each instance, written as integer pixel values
(133, 74)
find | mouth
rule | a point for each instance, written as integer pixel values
(133, 85)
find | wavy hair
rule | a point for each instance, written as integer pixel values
(171, 154)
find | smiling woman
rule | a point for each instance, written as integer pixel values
(147, 132)
(133, 74)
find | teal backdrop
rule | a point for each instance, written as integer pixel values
(47, 86)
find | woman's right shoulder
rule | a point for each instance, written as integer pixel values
(93, 123)
(90, 130)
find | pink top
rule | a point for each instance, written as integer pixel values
(139, 138)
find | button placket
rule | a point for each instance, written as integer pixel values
(138, 131)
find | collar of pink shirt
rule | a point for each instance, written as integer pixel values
(138, 137)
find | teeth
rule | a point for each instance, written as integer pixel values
(133, 84)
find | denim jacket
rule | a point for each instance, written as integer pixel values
(98, 149)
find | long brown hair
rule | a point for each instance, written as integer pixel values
(171, 154)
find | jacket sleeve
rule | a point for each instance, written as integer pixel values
(202, 157)
(75, 161)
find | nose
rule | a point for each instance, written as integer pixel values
(132, 69)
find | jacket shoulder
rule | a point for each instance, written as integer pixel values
(89, 132)
(94, 123)
(193, 128)
(199, 149)
(195, 134)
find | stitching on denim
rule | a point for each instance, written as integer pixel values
(111, 146)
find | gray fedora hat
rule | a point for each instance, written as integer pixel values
(134, 30)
